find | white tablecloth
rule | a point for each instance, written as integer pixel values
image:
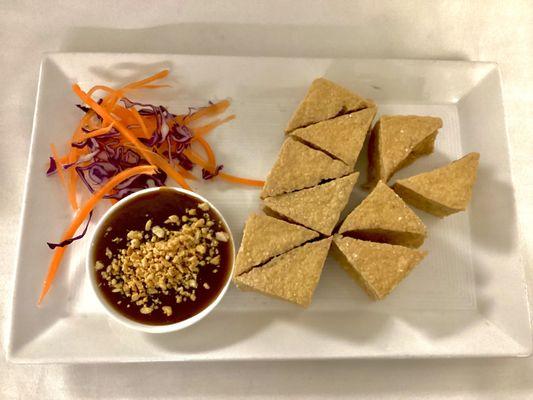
(471, 30)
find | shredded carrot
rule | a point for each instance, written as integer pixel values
(150, 157)
(82, 214)
(209, 153)
(95, 133)
(185, 173)
(70, 193)
(171, 172)
(195, 158)
(113, 95)
(151, 123)
(154, 86)
(204, 130)
(104, 88)
(123, 113)
(72, 185)
(243, 181)
(142, 82)
(210, 111)
(140, 120)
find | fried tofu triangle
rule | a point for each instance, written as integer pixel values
(383, 217)
(342, 137)
(292, 276)
(443, 191)
(299, 166)
(266, 237)
(377, 267)
(317, 208)
(398, 140)
(324, 100)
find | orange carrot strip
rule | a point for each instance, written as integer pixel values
(112, 97)
(123, 113)
(140, 120)
(209, 153)
(103, 88)
(71, 158)
(82, 214)
(72, 184)
(208, 111)
(95, 133)
(185, 173)
(150, 122)
(195, 158)
(73, 179)
(154, 86)
(153, 159)
(244, 181)
(171, 172)
(142, 82)
(181, 170)
(60, 172)
(204, 130)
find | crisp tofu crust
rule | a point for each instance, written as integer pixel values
(384, 217)
(317, 208)
(443, 191)
(292, 276)
(299, 166)
(265, 237)
(377, 267)
(398, 140)
(342, 137)
(324, 100)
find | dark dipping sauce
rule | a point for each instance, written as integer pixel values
(158, 206)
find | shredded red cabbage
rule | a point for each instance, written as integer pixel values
(69, 241)
(106, 156)
(210, 175)
(52, 168)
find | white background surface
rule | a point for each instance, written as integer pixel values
(475, 30)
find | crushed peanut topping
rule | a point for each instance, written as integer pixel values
(163, 260)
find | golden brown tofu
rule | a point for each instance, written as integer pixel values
(324, 100)
(398, 140)
(317, 208)
(383, 217)
(292, 276)
(377, 267)
(265, 237)
(342, 137)
(443, 191)
(299, 166)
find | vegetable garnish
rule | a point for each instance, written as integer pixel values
(73, 239)
(121, 146)
(82, 214)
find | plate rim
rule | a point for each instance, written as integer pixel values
(11, 354)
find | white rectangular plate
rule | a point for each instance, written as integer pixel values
(467, 299)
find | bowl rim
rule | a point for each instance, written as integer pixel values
(121, 318)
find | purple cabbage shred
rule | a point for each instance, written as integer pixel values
(210, 175)
(69, 241)
(106, 156)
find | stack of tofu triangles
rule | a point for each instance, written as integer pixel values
(283, 251)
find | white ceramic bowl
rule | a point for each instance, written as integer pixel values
(115, 314)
